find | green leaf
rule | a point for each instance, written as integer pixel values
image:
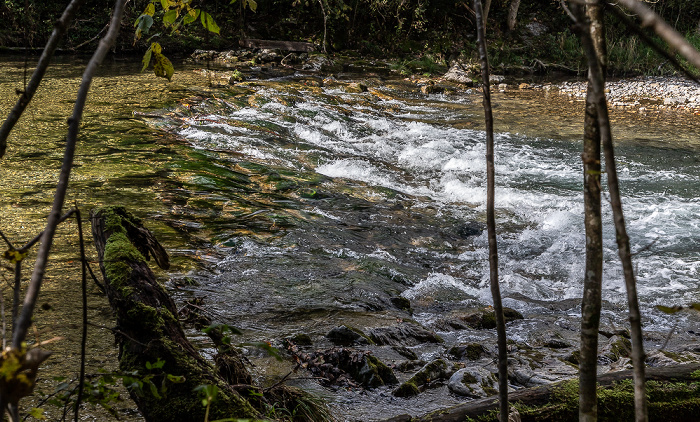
(669, 309)
(191, 16)
(37, 413)
(162, 66)
(208, 22)
(169, 17)
(146, 58)
(253, 5)
(165, 4)
(175, 379)
(154, 390)
(143, 24)
(150, 9)
(233, 1)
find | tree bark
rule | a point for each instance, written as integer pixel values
(597, 84)
(491, 219)
(148, 329)
(513, 14)
(485, 13)
(592, 284)
(552, 399)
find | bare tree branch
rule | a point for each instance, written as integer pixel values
(650, 19)
(25, 318)
(26, 96)
(651, 43)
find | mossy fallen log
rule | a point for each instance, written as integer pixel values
(673, 393)
(148, 330)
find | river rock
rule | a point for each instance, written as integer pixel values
(267, 56)
(404, 334)
(434, 371)
(484, 318)
(473, 351)
(473, 382)
(458, 75)
(347, 336)
(355, 88)
(344, 366)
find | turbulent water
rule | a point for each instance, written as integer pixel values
(373, 195)
(421, 149)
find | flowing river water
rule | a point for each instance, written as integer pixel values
(292, 206)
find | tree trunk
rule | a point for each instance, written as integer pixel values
(592, 284)
(675, 393)
(491, 219)
(485, 13)
(597, 84)
(513, 14)
(148, 329)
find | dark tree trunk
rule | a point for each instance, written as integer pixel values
(148, 327)
(592, 285)
(491, 219)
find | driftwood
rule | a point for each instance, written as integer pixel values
(148, 329)
(547, 402)
(297, 46)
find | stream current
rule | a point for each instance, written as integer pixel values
(290, 207)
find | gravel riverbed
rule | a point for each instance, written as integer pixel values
(643, 93)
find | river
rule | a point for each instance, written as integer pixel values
(290, 207)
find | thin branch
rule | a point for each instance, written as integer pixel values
(9, 244)
(83, 286)
(59, 30)
(651, 43)
(36, 238)
(491, 216)
(25, 318)
(650, 19)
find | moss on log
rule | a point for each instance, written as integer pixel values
(148, 329)
(673, 393)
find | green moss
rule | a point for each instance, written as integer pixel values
(407, 389)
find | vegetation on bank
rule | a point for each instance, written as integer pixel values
(431, 32)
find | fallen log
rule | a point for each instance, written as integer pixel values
(673, 392)
(295, 46)
(148, 330)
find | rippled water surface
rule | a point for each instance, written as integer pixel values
(296, 208)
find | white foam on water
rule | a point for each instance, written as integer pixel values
(538, 193)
